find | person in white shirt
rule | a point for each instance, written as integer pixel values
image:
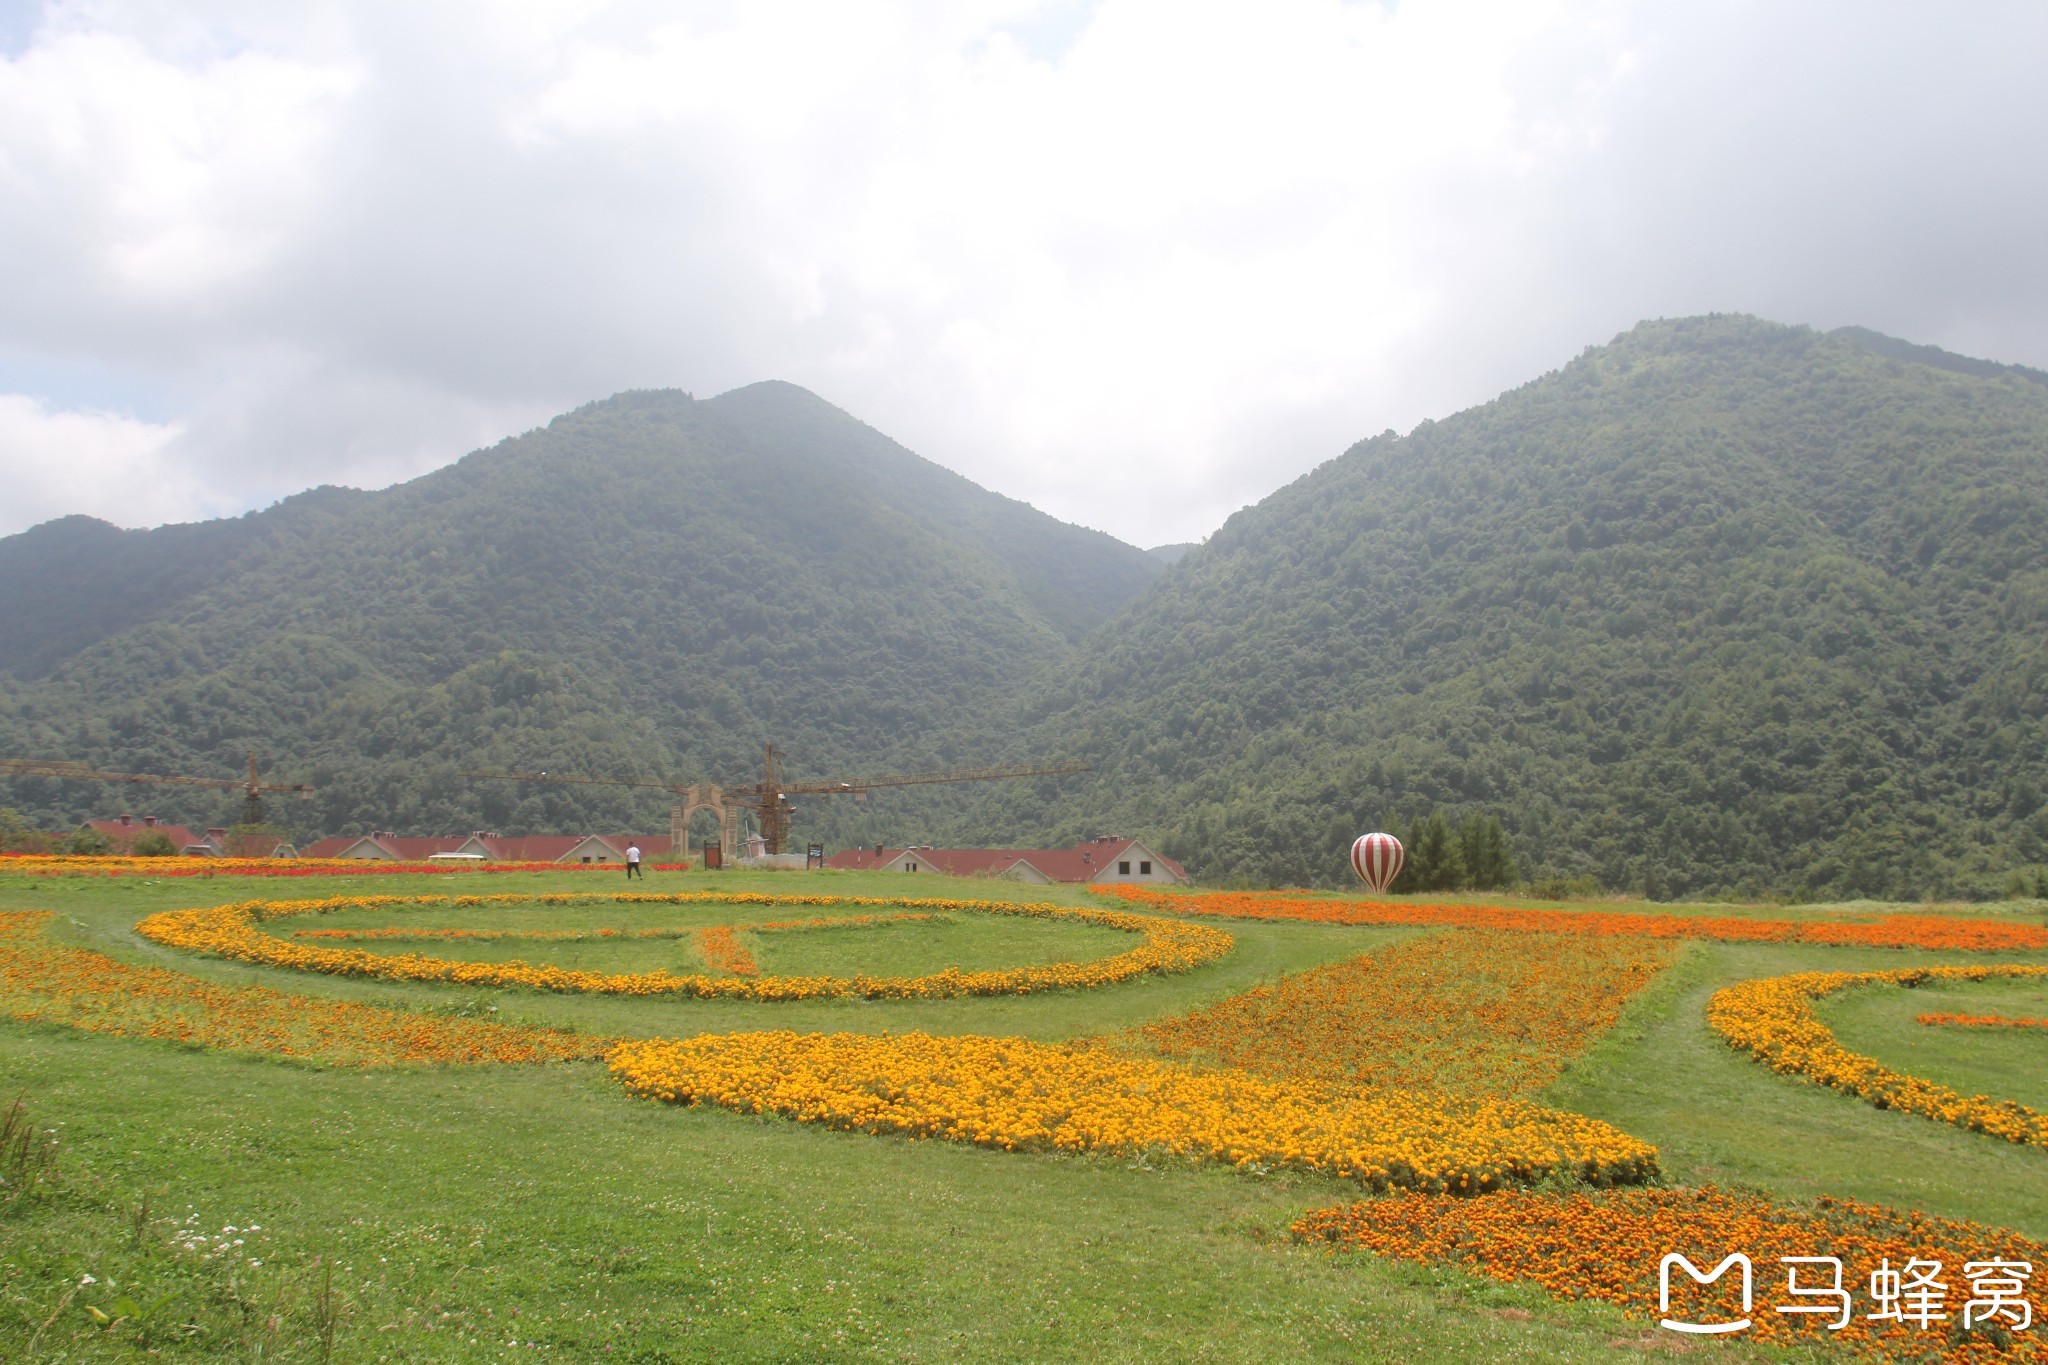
(633, 863)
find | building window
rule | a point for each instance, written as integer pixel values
(910, 867)
(1145, 867)
(586, 857)
(1123, 869)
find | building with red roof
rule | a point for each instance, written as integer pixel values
(124, 831)
(488, 846)
(1101, 861)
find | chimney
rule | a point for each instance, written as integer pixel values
(149, 820)
(126, 818)
(216, 833)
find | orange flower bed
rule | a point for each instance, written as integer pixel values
(1472, 1012)
(68, 865)
(1979, 1021)
(1609, 1246)
(233, 931)
(723, 953)
(45, 981)
(1774, 1021)
(1018, 1095)
(1893, 931)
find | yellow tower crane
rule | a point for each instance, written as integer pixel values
(252, 787)
(770, 798)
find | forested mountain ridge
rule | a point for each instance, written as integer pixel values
(650, 585)
(1723, 605)
(1898, 349)
(70, 582)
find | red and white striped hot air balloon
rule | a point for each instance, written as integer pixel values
(1377, 859)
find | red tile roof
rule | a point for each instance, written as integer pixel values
(530, 848)
(552, 848)
(1084, 862)
(861, 859)
(395, 847)
(417, 850)
(122, 834)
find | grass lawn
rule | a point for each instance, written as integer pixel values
(496, 1213)
(962, 939)
(2008, 1063)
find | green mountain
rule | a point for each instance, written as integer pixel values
(650, 585)
(1721, 606)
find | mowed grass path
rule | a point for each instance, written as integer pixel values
(462, 1210)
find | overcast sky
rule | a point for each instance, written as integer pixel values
(1137, 262)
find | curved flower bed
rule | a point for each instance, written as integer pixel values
(1893, 931)
(1018, 1095)
(1607, 1246)
(1773, 1020)
(234, 931)
(55, 983)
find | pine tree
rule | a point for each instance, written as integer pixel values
(1433, 856)
(1483, 848)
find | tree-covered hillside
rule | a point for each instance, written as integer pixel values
(1722, 605)
(650, 585)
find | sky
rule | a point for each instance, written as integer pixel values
(1136, 262)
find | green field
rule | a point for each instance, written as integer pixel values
(492, 1213)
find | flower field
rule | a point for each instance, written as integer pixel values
(47, 982)
(1024, 1096)
(233, 931)
(1469, 1012)
(1608, 1246)
(1893, 931)
(1442, 1073)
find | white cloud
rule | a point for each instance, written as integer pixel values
(145, 196)
(120, 469)
(1138, 272)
